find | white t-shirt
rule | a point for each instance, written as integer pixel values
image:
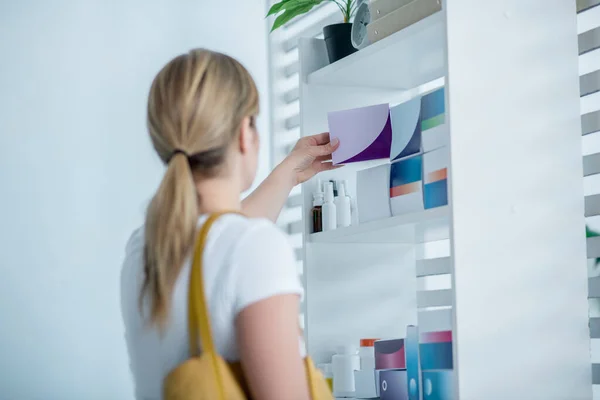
(245, 261)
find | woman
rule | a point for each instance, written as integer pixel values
(201, 118)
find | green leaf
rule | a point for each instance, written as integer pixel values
(588, 234)
(293, 8)
(278, 7)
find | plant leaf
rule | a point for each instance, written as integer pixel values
(278, 7)
(339, 6)
(588, 234)
(293, 8)
(290, 4)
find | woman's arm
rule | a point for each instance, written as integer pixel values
(311, 155)
(268, 337)
(267, 200)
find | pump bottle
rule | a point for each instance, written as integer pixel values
(329, 210)
(343, 207)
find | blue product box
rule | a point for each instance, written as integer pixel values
(436, 355)
(435, 178)
(434, 129)
(393, 385)
(406, 186)
(406, 129)
(438, 385)
(413, 367)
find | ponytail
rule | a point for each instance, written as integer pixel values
(169, 236)
(196, 105)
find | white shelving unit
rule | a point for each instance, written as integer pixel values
(416, 53)
(427, 226)
(504, 265)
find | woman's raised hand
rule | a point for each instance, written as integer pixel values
(311, 155)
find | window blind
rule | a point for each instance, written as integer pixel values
(285, 104)
(588, 26)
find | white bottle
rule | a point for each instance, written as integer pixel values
(328, 210)
(318, 199)
(344, 363)
(353, 205)
(366, 352)
(354, 210)
(365, 379)
(343, 207)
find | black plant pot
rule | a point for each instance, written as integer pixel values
(338, 41)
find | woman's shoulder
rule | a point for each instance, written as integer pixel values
(256, 234)
(263, 265)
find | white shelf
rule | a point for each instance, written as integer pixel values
(424, 226)
(404, 60)
(513, 215)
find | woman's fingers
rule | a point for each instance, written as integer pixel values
(325, 166)
(328, 148)
(321, 138)
(324, 158)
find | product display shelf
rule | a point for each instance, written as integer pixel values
(404, 60)
(509, 246)
(425, 226)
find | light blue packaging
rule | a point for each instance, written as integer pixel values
(413, 366)
(434, 129)
(406, 129)
(438, 385)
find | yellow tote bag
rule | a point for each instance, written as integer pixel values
(206, 376)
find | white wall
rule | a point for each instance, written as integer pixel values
(76, 171)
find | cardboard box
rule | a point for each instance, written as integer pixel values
(406, 186)
(435, 337)
(435, 350)
(365, 133)
(401, 18)
(366, 385)
(435, 178)
(406, 129)
(389, 354)
(372, 193)
(393, 385)
(434, 127)
(413, 364)
(439, 385)
(381, 8)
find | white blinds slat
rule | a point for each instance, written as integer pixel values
(589, 41)
(589, 83)
(590, 123)
(583, 5)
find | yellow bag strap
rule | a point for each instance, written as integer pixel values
(198, 315)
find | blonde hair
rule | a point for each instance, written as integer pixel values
(196, 106)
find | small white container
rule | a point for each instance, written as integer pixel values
(343, 207)
(366, 353)
(366, 388)
(344, 363)
(365, 382)
(373, 193)
(329, 210)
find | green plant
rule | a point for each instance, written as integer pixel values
(290, 9)
(590, 233)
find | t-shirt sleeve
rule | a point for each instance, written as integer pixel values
(264, 266)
